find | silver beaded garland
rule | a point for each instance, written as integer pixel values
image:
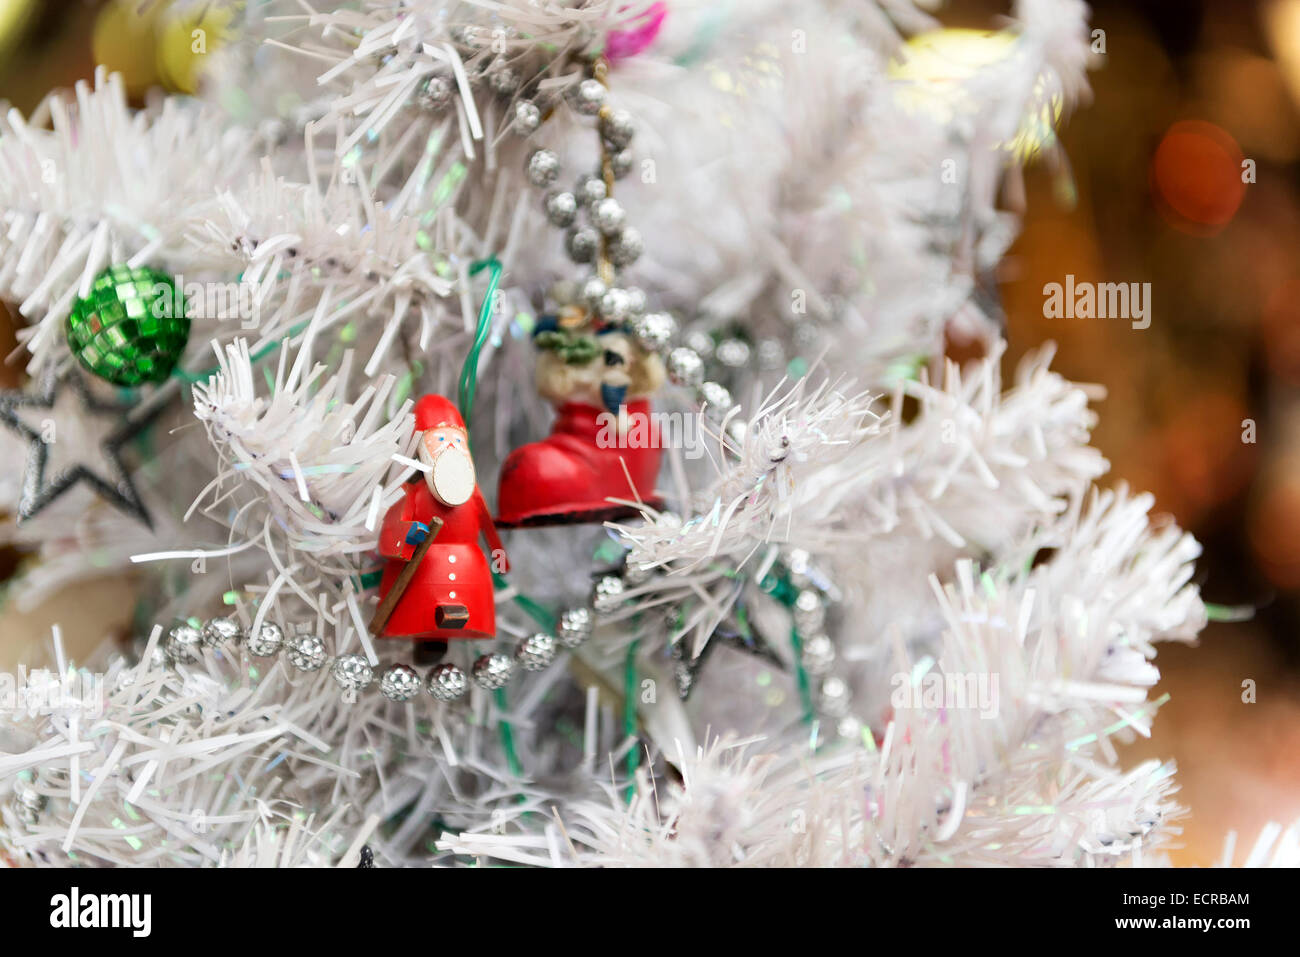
(589, 190)
(733, 353)
(527, 118)
(536, 651)
(608, 216)
(625, 248)
(636, 300)
(622, 163)
(28, 802)
(737, 429)
(818, 655)
(833, 697)
(849, 728)
(685, 367)
(561, 209)
(607, 594)
(493, 671)
(400, 683)
(352, 672)
(588, 97)
(800, 564)
(575, 626)
(266, 640)
(809, 612)
(717, 400)
(771, 355)
(543, 167)
(617, 128)
(306, 652)
(700, 341)
(635, 573)
(447, 682)
(466, 35)
(592, 291)
(615, 305)
(654, 331)
(434, 92)
(184, 643)
(219, 630)
(582, 243)
(503, 80)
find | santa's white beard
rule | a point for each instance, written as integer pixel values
(451, 476)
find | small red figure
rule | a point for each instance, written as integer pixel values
(451, 593)
(603, 444)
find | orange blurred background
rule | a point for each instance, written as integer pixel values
(1203, 406)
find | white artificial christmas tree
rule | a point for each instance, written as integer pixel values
(883, 615)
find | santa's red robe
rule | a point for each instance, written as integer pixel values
(454, 570)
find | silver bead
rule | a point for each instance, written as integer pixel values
(266, 641)
(635, 573)
(28, 802)
(771, 355)
(400, 683)
(582, 243)
(849, 728)
(352, 672)
(589, 190)
(800, 564)
(575, 626)
(685, 367)
(465, 34)
(625, 248)
(654, 331)
(615, 305)
(493, 671)
(184, 644)
(607, 594)
(617, 128)
(733, 353)
(818, 655)
(434, 92)
(527, 118)
(561, 209)
(700, 341)
(592, 291)
(807, 337)
(588, 97)
(536, 651)
(447, 682)
(717, 400)
(833, 699)
(622, 163)
(543, 167)
(503, 80)
(306, 652)
(636, 300)
(608, 216)
(219, 630)
(809, 612)
(737, 429)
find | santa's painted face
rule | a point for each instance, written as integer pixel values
(451, 470)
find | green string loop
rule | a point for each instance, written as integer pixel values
(469, 371)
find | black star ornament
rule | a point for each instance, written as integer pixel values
(31, 416)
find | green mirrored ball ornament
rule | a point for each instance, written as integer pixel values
(132, 327)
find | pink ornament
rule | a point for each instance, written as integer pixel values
(620, 44)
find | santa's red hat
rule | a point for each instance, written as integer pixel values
(435, 411)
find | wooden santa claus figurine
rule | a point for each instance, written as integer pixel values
(450, 594)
